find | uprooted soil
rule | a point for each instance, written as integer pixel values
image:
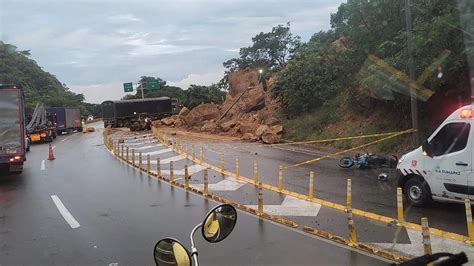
(252, 117)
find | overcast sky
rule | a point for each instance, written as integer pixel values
(95, 46)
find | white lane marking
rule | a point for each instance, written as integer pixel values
(64, 139)
(191, 170)
(415, 247)
(174, 159)
(113, 264)
(64, 212)
(158, 152)
(42, 166)
(228, 184)
(291, 206)
(54, 147)
(148, 147)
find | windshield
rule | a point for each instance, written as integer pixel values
(10, 128)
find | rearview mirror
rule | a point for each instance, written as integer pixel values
(427, 148)
(219, 223)
(169, 251)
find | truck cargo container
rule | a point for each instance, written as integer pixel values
(12, 128)
(124, 113)
(68, 119)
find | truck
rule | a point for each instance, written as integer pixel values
(68, 119)
(12, 128)
(42, 126)
(441, 169)
(127, 113)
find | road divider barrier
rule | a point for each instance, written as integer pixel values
(350, 218)
(222, 163)
(237, 167)
(426, 236)
(206, 183)
(133, 157)
(148, 164)
(400, 214)
(255, 172)
(470, 226)
(126, 155)
(263, 215)
(352, 240)
(260, 200)
(201, 155)
(280, 178)
(186, 176)
(140, 161)
(311, 186)
(171, 171)
(158, 167)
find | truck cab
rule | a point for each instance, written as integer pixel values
(442, 168)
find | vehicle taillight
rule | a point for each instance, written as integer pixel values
(43, 135)
(16, 158)
(467, 113)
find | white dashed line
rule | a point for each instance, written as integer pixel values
(42, 166)
(64, 139)
(64, 212)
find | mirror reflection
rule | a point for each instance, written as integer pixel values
(171, 252)
(219, 223)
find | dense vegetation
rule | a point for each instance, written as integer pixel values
(331, 75)
(190, 98)
(39, 86)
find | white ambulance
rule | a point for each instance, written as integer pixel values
(442, 168)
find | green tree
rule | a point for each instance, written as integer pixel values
(270, 50)
(197, 94)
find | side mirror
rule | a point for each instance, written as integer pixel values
(219, 223)
(169, 251)
(427, 148)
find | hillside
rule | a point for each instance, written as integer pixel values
(353, 79)
(39, 86)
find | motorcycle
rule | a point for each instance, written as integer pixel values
(368, 160)
(216, 226)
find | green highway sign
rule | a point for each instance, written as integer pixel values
(128, 87)
(153, 85)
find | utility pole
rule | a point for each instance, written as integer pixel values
(411, 72)
(141, 88)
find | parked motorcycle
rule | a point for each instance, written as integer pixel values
(368, 160)
(217, 225)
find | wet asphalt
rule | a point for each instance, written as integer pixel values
(368, 192)
(122, 213)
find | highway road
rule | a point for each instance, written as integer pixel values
(86, 207)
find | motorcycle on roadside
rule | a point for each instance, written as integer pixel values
(368, 160)
(216, 226)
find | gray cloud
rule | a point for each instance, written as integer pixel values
(93, 46)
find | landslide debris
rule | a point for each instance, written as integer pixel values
(248, 112)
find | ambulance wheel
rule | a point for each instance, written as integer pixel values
(417, 191)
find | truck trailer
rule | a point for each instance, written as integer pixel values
(127, 112)
(68, 119)
(12, 128)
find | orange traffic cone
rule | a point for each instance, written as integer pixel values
(51, 155)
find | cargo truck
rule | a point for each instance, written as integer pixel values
(42, 126)
(12, 128)
(128, 113)
(68, 119)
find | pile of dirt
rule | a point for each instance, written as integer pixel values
(248, 112)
